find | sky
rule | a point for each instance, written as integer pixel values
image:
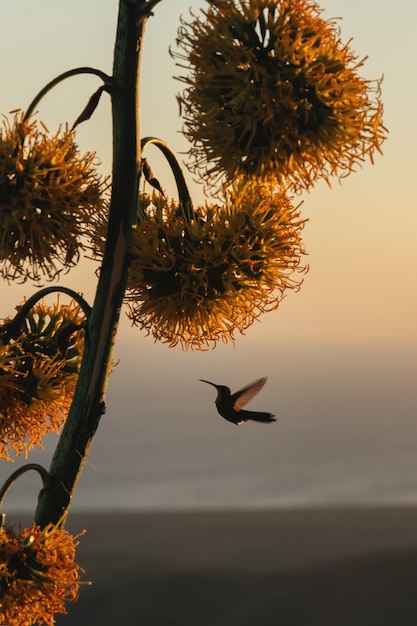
(360, 237)
(352, 326)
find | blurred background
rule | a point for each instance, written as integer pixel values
(340, 355)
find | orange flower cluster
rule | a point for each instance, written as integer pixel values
(38, 574)
(38, 373)
(273, 101)
(195, 280)
(48, 192)
(272, 90)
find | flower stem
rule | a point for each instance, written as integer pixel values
(183, 193)
(12, 328)
(59, 79)
(22, 470)
(88, 404)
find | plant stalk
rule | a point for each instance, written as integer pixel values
(88, 404)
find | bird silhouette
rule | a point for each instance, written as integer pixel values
(230, 405)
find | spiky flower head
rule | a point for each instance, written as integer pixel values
(272, 89)
(48, 193)
(199, 276)
(38, 373)
(38, 574)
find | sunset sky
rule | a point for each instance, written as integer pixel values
(354, 318)
(361, 234)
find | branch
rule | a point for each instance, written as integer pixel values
(108, 81)
(183, 193)
(46, 479)
(12, 328)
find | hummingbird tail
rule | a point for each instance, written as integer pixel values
(258, 416)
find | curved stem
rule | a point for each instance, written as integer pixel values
(183, 193)
(59, 79)
(22, 470)
(13, 327)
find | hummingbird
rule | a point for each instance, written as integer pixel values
(230, 405)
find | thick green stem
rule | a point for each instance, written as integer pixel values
(88, 403)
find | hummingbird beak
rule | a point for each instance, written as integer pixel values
(208, 382)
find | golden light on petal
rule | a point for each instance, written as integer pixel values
(38, 574)
(197, 281)
(48, 192)
(272, 90)
(38, 375)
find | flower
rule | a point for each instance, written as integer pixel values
(272, 90)
(38, 574)
(38, 374)
(195, 280)
(48, 192)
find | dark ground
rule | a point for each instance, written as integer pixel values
(289, 568)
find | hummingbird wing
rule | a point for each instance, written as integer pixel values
(242, 397)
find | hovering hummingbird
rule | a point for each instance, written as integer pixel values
(230, 405)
